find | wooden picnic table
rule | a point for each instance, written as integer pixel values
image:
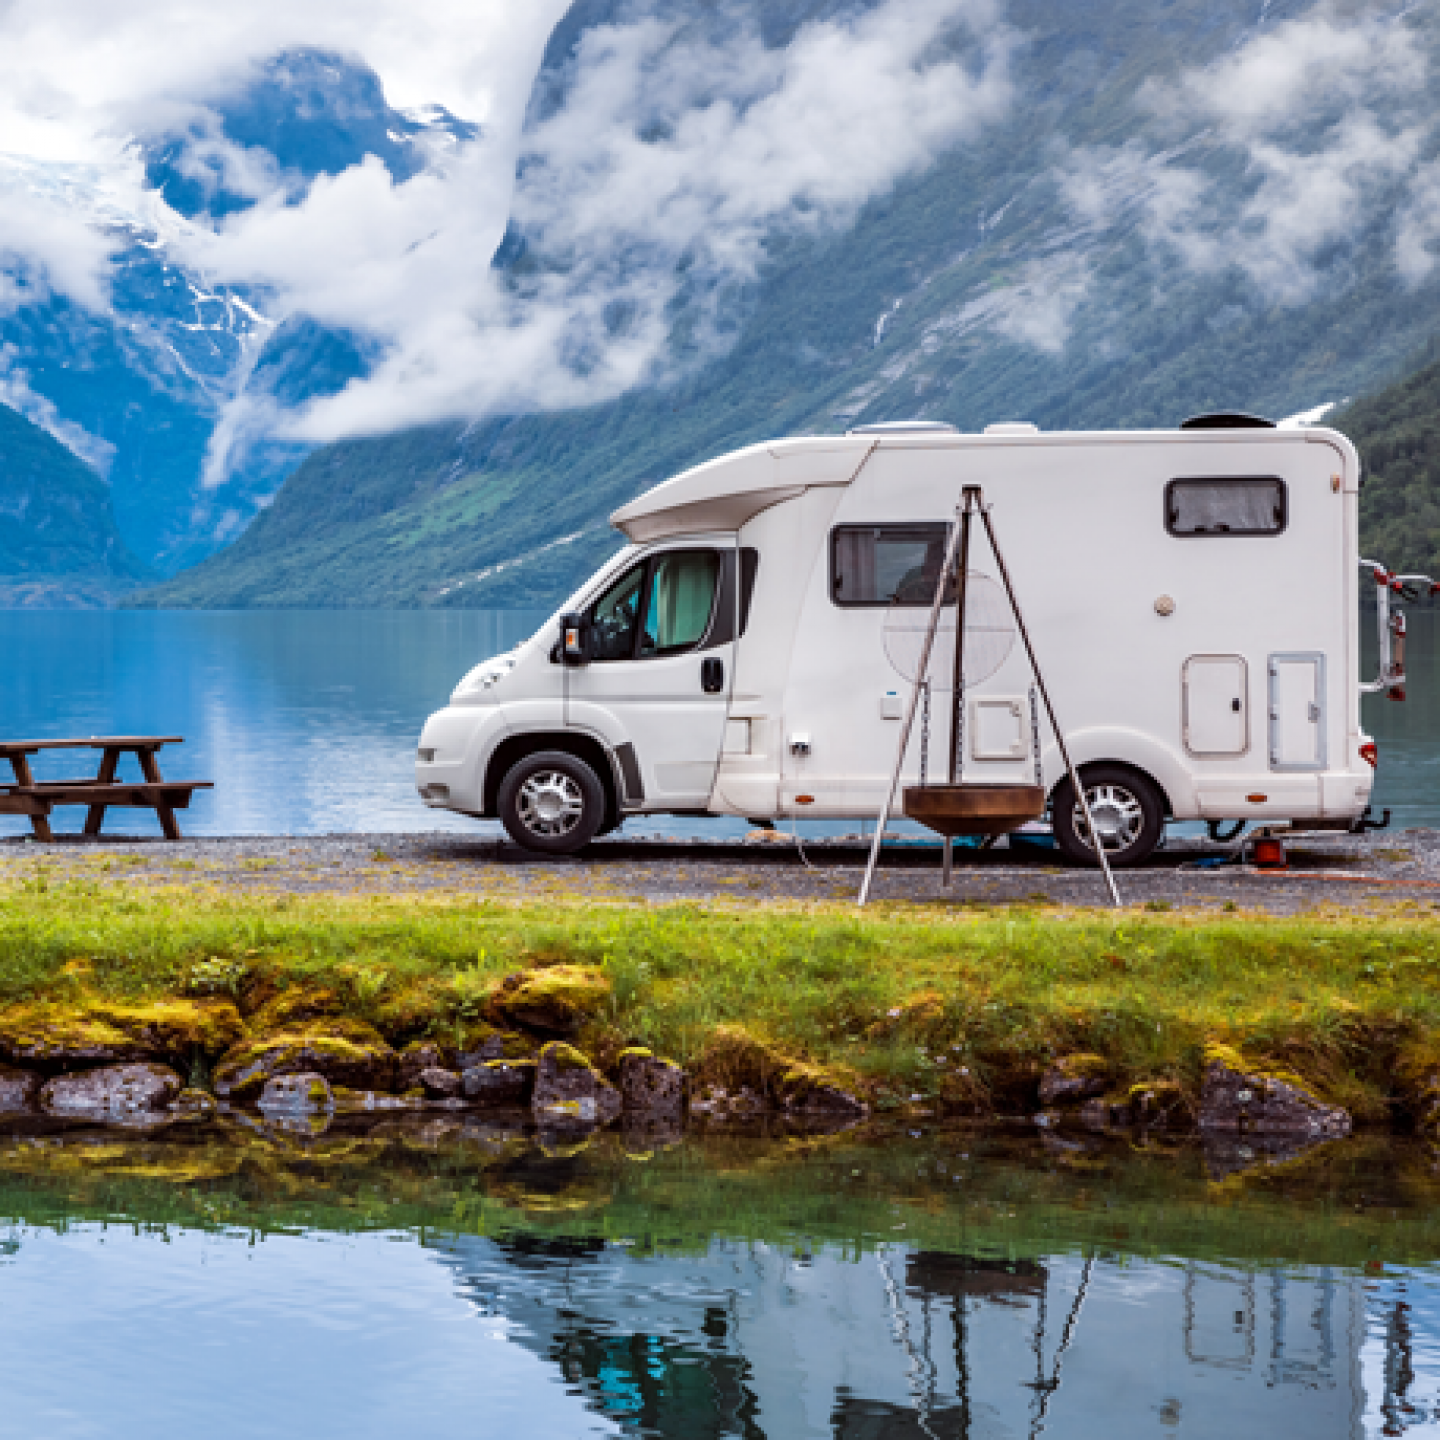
(36, 799)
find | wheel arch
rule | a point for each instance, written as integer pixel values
(1135, 750)
(514, 748)
(1091, 762)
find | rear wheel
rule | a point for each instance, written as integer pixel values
(1128, 811)
(551, 802)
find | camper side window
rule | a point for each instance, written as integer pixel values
(884, 564)
(1226, 506)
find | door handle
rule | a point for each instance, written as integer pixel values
(712, 675)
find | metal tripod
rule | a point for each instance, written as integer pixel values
(972, 502)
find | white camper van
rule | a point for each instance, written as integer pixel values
(1192, 596)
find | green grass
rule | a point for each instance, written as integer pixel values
(903, 999)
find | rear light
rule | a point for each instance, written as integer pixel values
(1370, 753)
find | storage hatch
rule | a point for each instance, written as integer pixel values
(1216, 705)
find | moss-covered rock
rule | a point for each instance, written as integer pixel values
(495, 1045)
(500, 1084)
(439, 1083)
(416, 1058)
(18, 1090)
(568, 1088)
(345, 1052)
(1238, 1095)
(650, 1086)
(554, 1001)
(303, 1093)
(1161, 1103)
(56, 1037)
(176, 1027)
(1073, 1079)
(820, 1089)
(295, 1006)
(113, 1093)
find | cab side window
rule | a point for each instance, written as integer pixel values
(662, 606)
(681, 595)
(614, 616)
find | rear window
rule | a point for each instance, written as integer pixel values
(1230, 506)
(881, 564)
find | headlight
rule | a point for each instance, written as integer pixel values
(488, 674)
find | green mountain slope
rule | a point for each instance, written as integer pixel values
(1397, 432)
(974, 292)
(58, 542)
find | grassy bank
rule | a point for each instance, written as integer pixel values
(962, 1010)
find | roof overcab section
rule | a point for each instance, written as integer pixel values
(723, 494)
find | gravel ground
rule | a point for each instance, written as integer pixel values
(1325, 871)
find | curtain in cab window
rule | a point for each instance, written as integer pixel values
(682, 594)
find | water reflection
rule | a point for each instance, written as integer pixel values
(756, 1341)
(451, 1274)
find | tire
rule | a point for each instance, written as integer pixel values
(551, 802)
(1128, 810)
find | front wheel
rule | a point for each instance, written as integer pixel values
(552, 802)
(1128, 812)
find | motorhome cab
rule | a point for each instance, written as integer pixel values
(1191, 595)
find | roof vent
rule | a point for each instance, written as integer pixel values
(906, 427)
(1012, 427)
(1227, 420)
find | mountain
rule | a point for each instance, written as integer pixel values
(173, 389)
(1122, 250)
(1397, 431)
(59, 544)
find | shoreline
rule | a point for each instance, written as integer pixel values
(772, 997)
(1325, 871)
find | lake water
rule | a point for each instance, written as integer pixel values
(308, 719)
(456, 1280)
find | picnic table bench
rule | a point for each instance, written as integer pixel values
(27, 796)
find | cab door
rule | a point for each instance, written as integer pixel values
(658, 674)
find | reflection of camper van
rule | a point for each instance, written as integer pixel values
(1191, 594)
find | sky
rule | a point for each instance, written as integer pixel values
(679, 148)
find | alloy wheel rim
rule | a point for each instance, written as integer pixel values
(550, 803)
(1119, 816)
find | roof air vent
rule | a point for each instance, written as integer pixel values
(906, 427)
(1012, 427)
(1227, 420)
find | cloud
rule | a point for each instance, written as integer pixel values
(645, 202)
(645, 198)
(49, 246)
(1289, 150)
(15, 392)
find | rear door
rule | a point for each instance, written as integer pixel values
(1297, 711)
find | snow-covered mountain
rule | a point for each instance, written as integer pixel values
(172, 388)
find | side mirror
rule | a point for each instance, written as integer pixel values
(574, 640)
